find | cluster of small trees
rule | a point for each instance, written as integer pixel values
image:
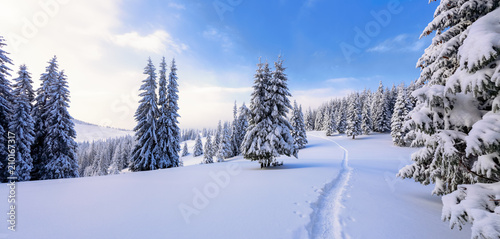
(105, 157)
(157, 130)
(37, 136)
(226, 139)
(365, 112)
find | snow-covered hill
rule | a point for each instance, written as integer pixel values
(89, 132)
(330, 192)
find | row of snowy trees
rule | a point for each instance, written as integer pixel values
(226, 140)
(365, 112)
(456, 120)
(157, 131)
(105, 157)
(37, 136)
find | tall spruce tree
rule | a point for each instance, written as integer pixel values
(173, 131)
(298, 127)
(235, 148)
(457, 117)
(198, 146)
(23, 124)
(366, 114)
(143, 156)
(60, 139)
(354, 116)
(458, 99)
(379, 110)
(341, 116)
(401, 109)
(309, 120)
(208, 152)
(242, 125)
(331, 127)
(185, 150)
(161, 148)
(43, 94)
(268, 135)
(5, 108)
(217, 138)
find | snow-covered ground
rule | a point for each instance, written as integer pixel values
(353, 186)
(90, 132)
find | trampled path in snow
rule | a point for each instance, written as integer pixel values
(325, 219)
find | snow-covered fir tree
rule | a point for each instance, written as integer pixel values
(309, 120)
(235, 148)
(458, 111)
(401, 109)
(268, 134)
(116, 162)
(458, 99)
(60, 139)
(225, 147)
(318, 121)
(160, 153)
(341, 116)
(22, 123)
(185, 150)
(5, 108)
(331, 127)
(217, 138)
(354, 116)
(143, 157)
(208, 152)
(366, 114)
(173, 131)
(298, 127)
(242, 125)
(43, 93)
(198, 147)
(388, 108)
(380, 109)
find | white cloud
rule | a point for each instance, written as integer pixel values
(205, 105)
(400, 43)
(222, 38)
(342, 80)
(156, 42)
(176, 6)
(315, 97)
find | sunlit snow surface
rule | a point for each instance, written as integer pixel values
(237, 199)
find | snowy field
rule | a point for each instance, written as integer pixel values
(329, 192)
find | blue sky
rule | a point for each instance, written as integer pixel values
(104, 45)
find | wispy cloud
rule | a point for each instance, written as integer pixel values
(176, 5)
(400, 43)
(222, 38)
(315, 97)
(156, 42)
(342, 80)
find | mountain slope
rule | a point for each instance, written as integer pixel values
(89, 132)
